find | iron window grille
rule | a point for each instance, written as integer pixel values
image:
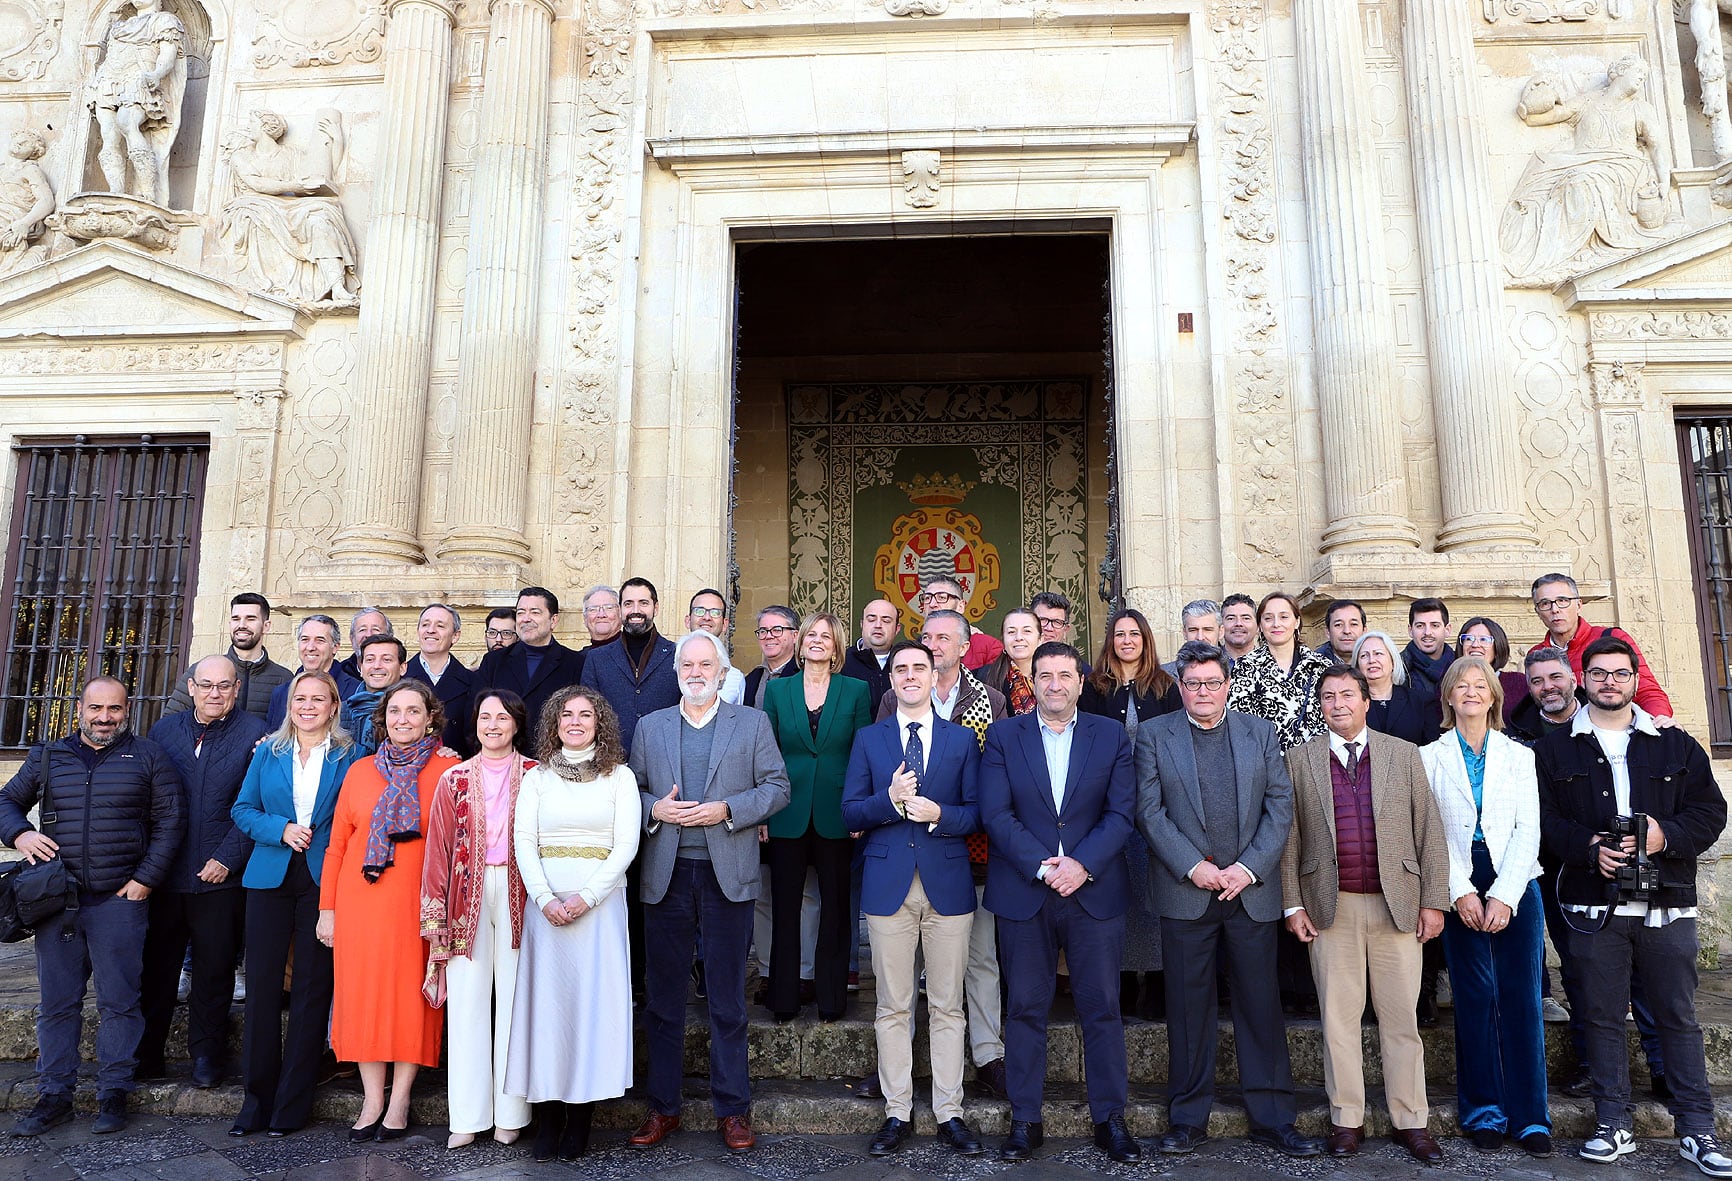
(1705, 444)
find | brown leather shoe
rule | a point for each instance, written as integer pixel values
(1419, 1144)
(1344, 1141)
(736, 1132)
(656, 1128)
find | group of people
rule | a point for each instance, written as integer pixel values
(532, 857)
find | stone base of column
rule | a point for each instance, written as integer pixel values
(1486, 530)
(409, 585)
(503, 547)
(371, 544)
(1380, 531)
(1494, 576)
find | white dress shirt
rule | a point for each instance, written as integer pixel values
(306, 780)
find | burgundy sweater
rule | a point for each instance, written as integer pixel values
(1355, 828)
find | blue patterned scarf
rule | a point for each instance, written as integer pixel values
(397, 815)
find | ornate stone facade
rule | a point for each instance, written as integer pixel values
(1404, 298)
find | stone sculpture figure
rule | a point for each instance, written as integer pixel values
(1602, 198)
(26, 200)
(135, 94)
(284, 223)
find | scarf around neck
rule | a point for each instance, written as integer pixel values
(577, 766)
(397, 815)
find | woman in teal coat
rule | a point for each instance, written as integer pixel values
(814, 717)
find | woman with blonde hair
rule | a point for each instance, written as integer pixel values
(472, 901)
(579, 818)
(286, 805)
(370, 903)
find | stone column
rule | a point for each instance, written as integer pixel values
(1364, 480)
(382, 482)
(496, 352)
(1473, 401)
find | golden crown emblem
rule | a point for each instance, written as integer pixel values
(937, 490)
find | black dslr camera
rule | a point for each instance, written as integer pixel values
(1638, 878)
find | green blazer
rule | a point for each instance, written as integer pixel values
(816, 766)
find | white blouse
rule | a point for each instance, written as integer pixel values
(557, 814)
(306, 779)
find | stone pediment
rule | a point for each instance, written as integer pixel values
(106, 291)
(1692, 268)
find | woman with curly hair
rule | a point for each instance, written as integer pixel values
(370, 905)
(472, 900)
(579, 817)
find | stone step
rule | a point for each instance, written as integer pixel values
(812, 1107)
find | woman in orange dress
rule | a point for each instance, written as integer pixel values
(370, 906)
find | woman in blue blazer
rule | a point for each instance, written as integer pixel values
(285, 805)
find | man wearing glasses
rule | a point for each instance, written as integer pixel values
(1612, 763)
(777, 627)
(708, 612)
(601, 617)
(1558, 603)
(501, 628)
(945, 594)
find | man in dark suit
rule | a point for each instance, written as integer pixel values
(437, 630)
(1215, 804)
(910, 792)
(635, 672)
(537, 665)
(1056, 794)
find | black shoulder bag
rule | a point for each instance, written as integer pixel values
(33, 893)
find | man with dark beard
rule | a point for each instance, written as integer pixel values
(118, 822)
(260, 676)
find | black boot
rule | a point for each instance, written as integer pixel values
(549, 1122)
(575, 1142)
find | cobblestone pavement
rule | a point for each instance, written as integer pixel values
(202, 1150)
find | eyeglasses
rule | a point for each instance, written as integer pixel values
(1552, 604)
(1618, 676)
(1213, 685)
(1467, 639)
(1054, 625)
(499, 633)
(708, 612)
(213, 686)
(607, 610)
(764, 633)
(940, 597)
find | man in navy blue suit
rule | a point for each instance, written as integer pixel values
(910, 793)
(1057, 794)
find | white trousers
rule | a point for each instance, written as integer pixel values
(478, 1025)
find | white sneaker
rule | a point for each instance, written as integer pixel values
(240, 987)
(1706, 1153)
(1608, 1144)
(1553, 1013)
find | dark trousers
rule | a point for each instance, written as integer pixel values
(1668, 958)
(1293, 967)
(280, 1069)
(211, 924)
(1093, 949)
(1500, 1042)
(694, 902)
(634, 925)
(1570, 977)
(101, 941)
(831, 859)
(1188, 951)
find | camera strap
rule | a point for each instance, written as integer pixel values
(1569, 916)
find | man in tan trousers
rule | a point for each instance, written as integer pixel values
(1365, 881)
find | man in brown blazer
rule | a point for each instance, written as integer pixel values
(1365, 881)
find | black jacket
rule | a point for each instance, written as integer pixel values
(455, 691)
(120, 819)
(755, 681)
(1117, 703)
(1527, 725)
(258, 683)
(210, 776)
(508, 668)
(861, 664)
(1407, 715)
(1670, 780)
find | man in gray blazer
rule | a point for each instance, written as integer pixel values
(709, 773)
(1215, 804)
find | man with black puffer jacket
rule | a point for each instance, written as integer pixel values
(201, 904)
(119, 821)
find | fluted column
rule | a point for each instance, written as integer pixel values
(381, 484)
(496, 352)
(1365, 487)
(1473, 401)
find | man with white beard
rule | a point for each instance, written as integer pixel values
(699, 866)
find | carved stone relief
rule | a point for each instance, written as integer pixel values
(135, 94)
(302, 33)
(1257, 367)
(311, 451)
(91, 217)
(1540, 12)
(1616, 383)
(29, 38)
(1685, 325)
(1632, 542)
(26, 202)
(1558, 438)
(920, 178)
(916, 7)
(284, 225)
(1603, 197)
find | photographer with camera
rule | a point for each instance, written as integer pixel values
(1627, 807)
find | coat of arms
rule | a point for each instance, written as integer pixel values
(938, 538)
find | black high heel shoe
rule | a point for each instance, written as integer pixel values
(392, 1133)
(367, 1132)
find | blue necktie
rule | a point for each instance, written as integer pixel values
(914, 755)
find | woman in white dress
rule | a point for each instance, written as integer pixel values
(577, 827)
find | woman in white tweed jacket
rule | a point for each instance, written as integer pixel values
(1488, 796)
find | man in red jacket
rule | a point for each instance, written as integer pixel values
(1558, 603)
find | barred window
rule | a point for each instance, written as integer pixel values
(1706, 444)
(100, 573)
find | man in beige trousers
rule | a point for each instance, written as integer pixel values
(1365, 881)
